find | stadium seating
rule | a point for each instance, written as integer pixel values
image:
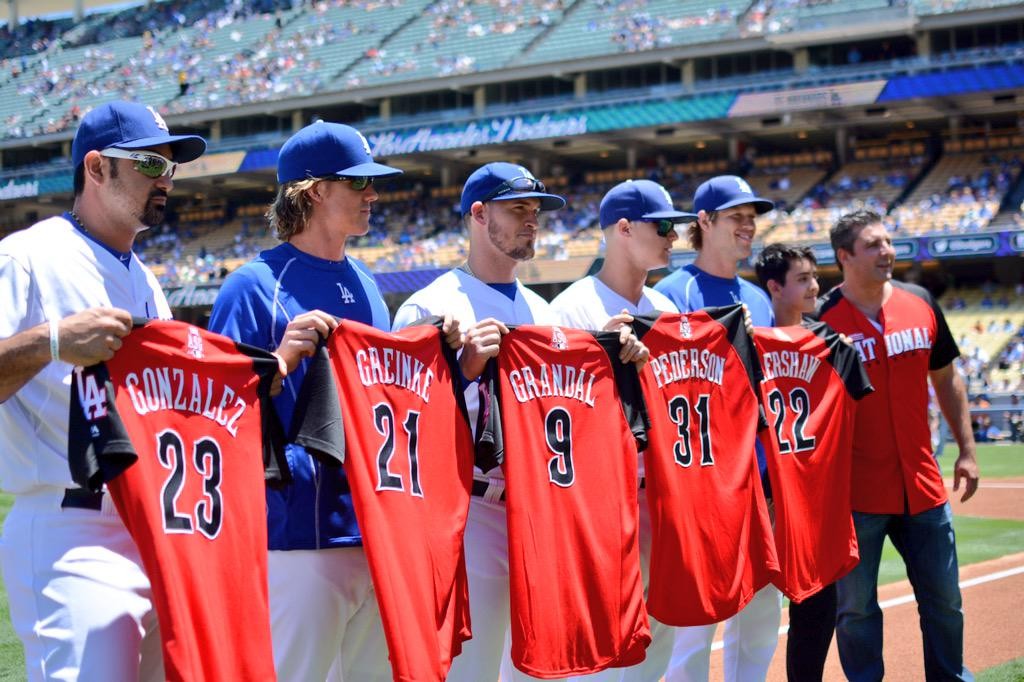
(596, 27)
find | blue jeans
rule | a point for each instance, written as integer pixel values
(928, 547)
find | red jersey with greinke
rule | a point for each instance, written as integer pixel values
(812, 380)
(711, 546)
(180, 425)
(408, 456)
(564, 418)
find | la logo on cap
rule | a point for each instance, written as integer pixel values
(744, 187)
(526, 173)
(158, 119)
(366, 144)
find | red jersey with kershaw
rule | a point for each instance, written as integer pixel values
(564, 417)
(408, 455)
(711, 546)
(894, 470)
(811, 382)
(175, 423)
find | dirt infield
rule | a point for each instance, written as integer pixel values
(993, 595)
(996, 499)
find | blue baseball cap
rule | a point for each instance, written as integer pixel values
(640, 200)
(725, 191)
(500, 181)
(321, 149)
(130, 125)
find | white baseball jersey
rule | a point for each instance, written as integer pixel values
(49, 271)
(469, 300)
(589, 304)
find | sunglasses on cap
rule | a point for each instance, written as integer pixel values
(520, 184)
(150, 164)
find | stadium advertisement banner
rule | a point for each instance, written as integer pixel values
(1014, 242)
(19, 189)
(475, 134)
(210, 164)
(192, 295)
(803, 99)
(962, 245)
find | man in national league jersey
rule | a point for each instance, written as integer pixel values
(897, 488)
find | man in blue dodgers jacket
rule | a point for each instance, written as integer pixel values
(322, 603)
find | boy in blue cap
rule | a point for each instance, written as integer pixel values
(322, 603)
(79, 597)
(727, 211)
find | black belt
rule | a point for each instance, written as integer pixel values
(480, 489)
(643, 483)
(80, 498)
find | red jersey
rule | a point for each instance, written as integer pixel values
(811, 382)
(564, 417)
(894, 470)
(173, 423)
(408, 455)
(711, 546)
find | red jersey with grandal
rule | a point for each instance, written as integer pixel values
(712, 545)
(811, 382)
(563, 417)
(173, 422)
(408, 455)
(894, 470)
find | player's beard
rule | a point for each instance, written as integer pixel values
(508, 246)
(152, 212)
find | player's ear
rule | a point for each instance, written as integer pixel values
(774, 288)
(478, 213)
(92, 166)
(624, 227)
(704, 220)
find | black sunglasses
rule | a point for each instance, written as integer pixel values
(520, 184)
(664, 227)
(358, 184)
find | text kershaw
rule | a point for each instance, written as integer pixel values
(789, 363)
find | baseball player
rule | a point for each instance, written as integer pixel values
(897, 488)
(501, 205)
(639, 224)
(322, 602)
(79, 598)
(727, 211)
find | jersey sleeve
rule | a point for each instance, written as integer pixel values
(644, 323)
(99, 448)
(409, 313)
(317, 422)
(627, 379)
(240, 314)
(490, 442)
(16, 296)
(945, 349)
(275, 463)
(845, 360)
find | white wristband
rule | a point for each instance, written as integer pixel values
(55, 340)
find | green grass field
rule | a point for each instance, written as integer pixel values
(977, 540)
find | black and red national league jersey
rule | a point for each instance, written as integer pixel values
(180, 427)
(408, 456)
(564, 418)
(894, 470)
(811, 382)
(712, 546)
